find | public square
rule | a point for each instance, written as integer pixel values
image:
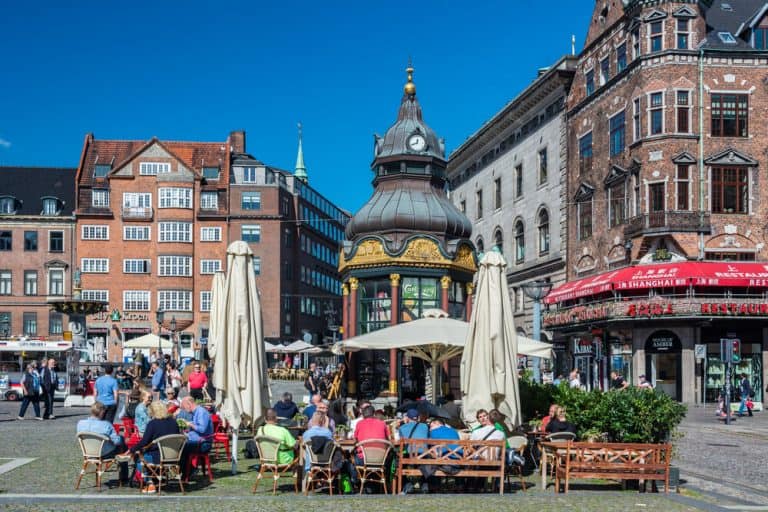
(720, 469)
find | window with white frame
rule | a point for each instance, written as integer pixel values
(94, 232)
(656, 113)
(100, 198)
(96, 295)
(136, 233)
(656, 36)
(136, 300)
(94, 265)
(175, 197)
(137, 200)
(175, 300)
(154, 168)
(210, 266)
(250, 201)
(683, 33)
(683, 111)
(51, 206)
(543, 222)
(205, 301)
(682, 181)
(249, 175)
(636, 46)
(56, 282)
(605, 71)
(251, 233)
(519, 242)
(637, 130)
(175, 231)
(210, 234)
(179, 266)
(136, 266)
(209, 200)
(6, 282)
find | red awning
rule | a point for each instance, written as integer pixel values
(666, 275)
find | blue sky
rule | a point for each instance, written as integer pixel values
(197, 70)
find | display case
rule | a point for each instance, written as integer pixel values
(715, 378)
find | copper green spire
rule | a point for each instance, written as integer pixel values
(300, 171)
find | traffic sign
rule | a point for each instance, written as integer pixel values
(700, 351)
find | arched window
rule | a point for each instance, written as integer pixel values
(498, 240)
(519, 242)
(479, 244)
(543, 231)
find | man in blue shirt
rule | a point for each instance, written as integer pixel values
(158, 379)
(105, 391)
(96, 424)
(200, 435)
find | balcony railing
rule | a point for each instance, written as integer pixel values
(137, 212)
(666, 222)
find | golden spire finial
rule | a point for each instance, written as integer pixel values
(410, 87)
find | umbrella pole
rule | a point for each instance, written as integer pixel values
(234, 451)
(434, 383)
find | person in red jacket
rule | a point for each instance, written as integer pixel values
(197, 381)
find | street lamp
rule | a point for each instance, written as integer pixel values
(160, 314)
(537, 290)
(173, 339)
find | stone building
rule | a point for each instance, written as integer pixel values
(509, 178)
(665, 147)
(37, 229)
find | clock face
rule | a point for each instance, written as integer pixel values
(417, 143)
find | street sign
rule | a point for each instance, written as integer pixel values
(700, 351)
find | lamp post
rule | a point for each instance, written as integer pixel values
(173, 340)
(330, 316)
(160, 314)
(537, 290)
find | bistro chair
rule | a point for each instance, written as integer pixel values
(169, 466)
(552, 455)
(320, 469)
(92, 446)
(268, 448)
(519, 444)
(376, 459)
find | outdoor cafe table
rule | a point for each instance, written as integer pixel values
(551, 447)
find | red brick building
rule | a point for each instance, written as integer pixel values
(665, 150)
(36, 255)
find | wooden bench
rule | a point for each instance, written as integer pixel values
(471, 458)
(613, 461)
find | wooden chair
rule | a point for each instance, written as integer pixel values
(519, 444)
(376, 459)
(320, 469)
(169, 466)
(92, 446)
(268, 448)
(557, 437)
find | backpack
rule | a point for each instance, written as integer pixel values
(250, 451)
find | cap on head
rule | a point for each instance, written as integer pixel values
(412, 414)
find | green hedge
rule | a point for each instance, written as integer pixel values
(632, 415)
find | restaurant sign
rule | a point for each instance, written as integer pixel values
(649, 309)
(734, 309)
(577, 315)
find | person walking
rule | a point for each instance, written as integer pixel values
(50, 382)
(745, 390)
(30, 384)
(158, 379)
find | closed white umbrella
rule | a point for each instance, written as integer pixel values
(489, 361)
(240, 370)
(217, 316)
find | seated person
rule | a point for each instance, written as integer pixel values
(437, 430)
(200, 435)
(414, 426)
(323, 407)
(499, 421)
(134, 398)
(161, 424)
(312, 407)
(171, 400)
(546, 419)
(369, 428)
(96, 424)
(317, 431)
(286, 408)
(336, 413)
(559, 423)
(486, 429)
(285, 453)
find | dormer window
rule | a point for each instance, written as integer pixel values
(101, 170)
(8, 205)
(726, 37)
(760, 39)
(211, 173)
(51, 206)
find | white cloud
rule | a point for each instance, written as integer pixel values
(5, 143)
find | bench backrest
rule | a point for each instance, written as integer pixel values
(451, 452)
(627, 454)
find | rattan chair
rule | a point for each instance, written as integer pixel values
(519, 444)
(268, 448)
(92, 446)
(376, 456)
(557, 437)
(169, 466)
(320, 469)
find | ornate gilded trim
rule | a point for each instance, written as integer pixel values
(353, 283)
(345, 289)
(424, 252)
(470, 288)
(394, 280)
(445, 282)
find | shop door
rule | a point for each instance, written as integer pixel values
(663, 363)
(584, 365)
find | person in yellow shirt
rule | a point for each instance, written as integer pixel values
(286, 453)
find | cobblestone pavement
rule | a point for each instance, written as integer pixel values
(47, 482)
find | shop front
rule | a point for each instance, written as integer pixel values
(651, 325)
